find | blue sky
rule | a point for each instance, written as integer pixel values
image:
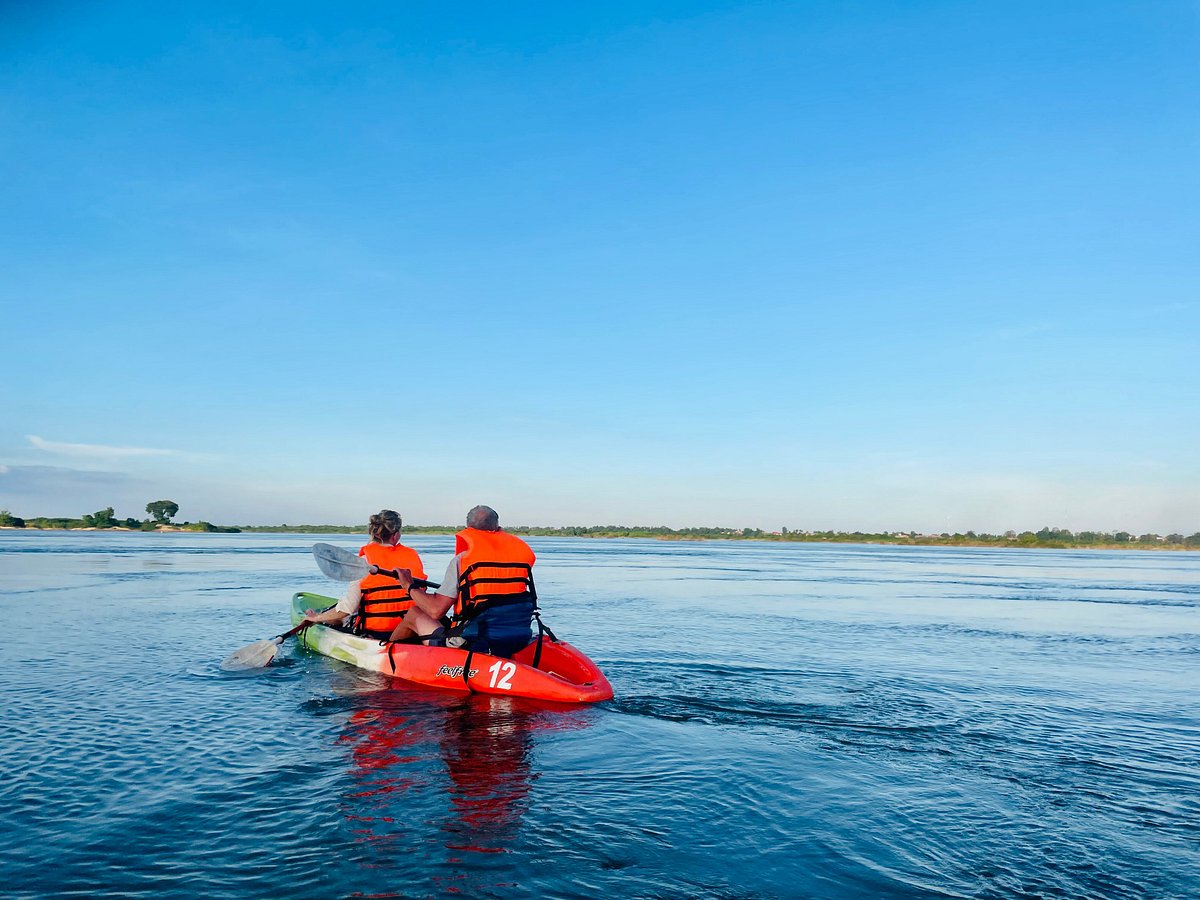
(841, 265)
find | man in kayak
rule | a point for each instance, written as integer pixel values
(376, 604)
(488, 586)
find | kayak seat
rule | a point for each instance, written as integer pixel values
(499, 630)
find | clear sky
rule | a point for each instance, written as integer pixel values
(853, 265)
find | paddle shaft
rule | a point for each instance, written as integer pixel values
(420, 583)
(287, 634)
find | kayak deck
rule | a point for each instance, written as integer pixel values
(563, 673)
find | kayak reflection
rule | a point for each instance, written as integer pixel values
(487, 748)
(408, 748)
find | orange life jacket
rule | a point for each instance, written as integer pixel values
(496, 567)
(384, 602)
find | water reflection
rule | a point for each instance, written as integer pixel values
(487, 747)
(433, 766)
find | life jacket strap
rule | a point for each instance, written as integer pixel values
(384, 587)
(472, 579)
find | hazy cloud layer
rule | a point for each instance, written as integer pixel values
(94, 451)
(885, 501)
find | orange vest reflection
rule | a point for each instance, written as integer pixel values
(487, 748)
(401, 742)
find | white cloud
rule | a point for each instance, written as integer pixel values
(94, 451)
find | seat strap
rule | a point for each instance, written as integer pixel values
(542, 632)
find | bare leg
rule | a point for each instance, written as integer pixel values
(415, 621)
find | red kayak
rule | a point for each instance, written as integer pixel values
(562, 674)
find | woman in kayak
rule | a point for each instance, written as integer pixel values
(376, 605)
(488, 586)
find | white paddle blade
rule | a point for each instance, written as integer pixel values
(338, 563)
(252, 656)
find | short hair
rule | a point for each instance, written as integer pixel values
(384, 524)
(484, 518)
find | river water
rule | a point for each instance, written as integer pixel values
(790, 720)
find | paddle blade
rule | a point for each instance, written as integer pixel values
(252, 656)
(338, 563)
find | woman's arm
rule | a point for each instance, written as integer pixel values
(347, 606)
(330, 615)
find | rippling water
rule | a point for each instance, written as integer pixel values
(789, 721)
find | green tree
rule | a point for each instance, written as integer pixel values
(7, 518)
(162, 510)
(100, 519)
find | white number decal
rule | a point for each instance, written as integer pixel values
(504, 682)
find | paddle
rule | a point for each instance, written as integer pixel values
(260, 653)
(338, 564)
(345, 565)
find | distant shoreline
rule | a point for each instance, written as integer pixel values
(95, 528)
(1026, 540)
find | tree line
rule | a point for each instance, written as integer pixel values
(1046, 537)
(161, 513)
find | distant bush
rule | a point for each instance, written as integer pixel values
(209, 527)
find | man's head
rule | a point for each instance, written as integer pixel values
(484, 518)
